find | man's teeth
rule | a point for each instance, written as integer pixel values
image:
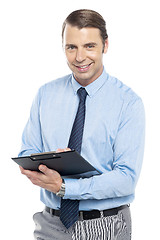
(84, 66)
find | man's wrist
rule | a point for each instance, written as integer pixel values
(61, 192)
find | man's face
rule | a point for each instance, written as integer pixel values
(84, 52)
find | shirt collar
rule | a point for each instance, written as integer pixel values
(93, 87)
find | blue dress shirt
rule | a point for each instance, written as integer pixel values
(113, 138)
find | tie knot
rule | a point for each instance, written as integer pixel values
(82, 93)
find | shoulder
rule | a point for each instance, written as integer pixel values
(121, 95)
(121, 90)
(55, 85)
(59, 82)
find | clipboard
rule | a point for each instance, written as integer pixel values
(66, 163)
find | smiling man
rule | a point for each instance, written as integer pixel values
(84, 50)
(100, 117)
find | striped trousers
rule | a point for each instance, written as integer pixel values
(116, 227)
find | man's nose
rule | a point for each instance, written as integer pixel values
(80, 55)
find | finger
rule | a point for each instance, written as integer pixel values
(25, 172)
(21, 169)
(31, 179)
(31, 174)
(63, 150)
(35, 181)
(45, 170)
(59, 150)
(67, 149)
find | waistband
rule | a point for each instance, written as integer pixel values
(86, 215)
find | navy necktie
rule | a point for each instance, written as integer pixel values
(70, 208)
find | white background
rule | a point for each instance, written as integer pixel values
(31, 55)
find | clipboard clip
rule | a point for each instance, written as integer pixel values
(44, 156)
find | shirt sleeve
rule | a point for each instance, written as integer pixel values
(31, 137)
(127, 161)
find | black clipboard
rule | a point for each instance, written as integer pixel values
(66, 163)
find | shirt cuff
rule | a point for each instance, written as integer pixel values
(72, 189)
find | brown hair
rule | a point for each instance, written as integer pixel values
(86, 18)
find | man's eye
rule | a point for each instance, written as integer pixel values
(71, 47)
(90, 46)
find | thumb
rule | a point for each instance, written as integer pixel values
(44, 169)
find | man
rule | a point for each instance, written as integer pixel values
(112, 140)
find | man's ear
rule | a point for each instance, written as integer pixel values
(105, 47)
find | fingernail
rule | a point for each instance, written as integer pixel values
(41, 168)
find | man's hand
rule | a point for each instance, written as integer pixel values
(47, 178)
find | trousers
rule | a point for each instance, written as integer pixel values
(116, 227)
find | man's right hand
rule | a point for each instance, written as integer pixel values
(63, 150)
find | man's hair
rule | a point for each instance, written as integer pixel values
(86, 18)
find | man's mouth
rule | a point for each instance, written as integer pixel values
(83, 68)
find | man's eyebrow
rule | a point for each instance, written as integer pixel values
(90, 43)
(85, 45)
(70, 45)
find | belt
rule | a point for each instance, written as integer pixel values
(86, 215)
